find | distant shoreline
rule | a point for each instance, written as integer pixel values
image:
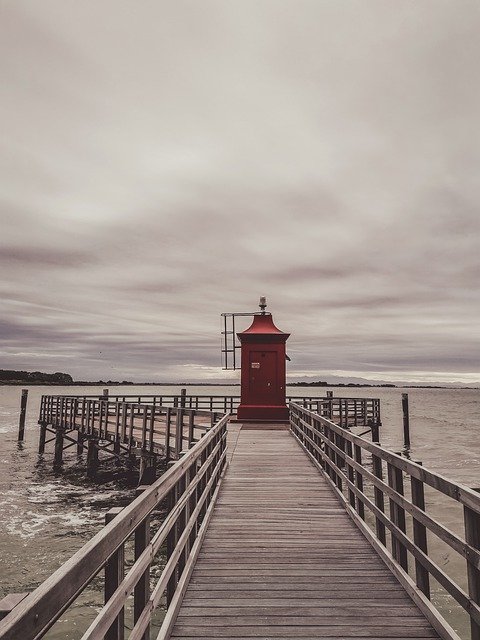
(19, 383)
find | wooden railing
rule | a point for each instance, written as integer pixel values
(187, 491)
(385, 495)
(346, 412)
(150, 427)
(343, 411)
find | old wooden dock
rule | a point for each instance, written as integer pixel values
(282, 559)
(307, 530)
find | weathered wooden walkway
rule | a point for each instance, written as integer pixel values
(304, 531)
(282, 559)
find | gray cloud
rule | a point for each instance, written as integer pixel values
(165, 162)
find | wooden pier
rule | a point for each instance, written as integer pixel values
(148, 431)
(282, 559)
(305, 531)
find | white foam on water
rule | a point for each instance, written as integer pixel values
(30, 524)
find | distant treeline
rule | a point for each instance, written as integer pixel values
(8, 376)
(321, 383)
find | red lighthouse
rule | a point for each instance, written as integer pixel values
(263, 377)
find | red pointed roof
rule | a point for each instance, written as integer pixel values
(262, 325)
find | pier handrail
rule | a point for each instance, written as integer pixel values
(345, 411)
(356, 469)
(190, 487)
(130, 424)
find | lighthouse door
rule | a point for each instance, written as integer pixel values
(263, 377)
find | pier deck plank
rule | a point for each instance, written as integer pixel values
(282, 559)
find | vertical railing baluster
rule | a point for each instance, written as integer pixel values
(191, 428)
(179, 433)
(172, 543)
(397, 515)
(420, 535)
(472, 537)
(359, 480)
(168, 427)
(379, 499)
(144, 427)
(350, 474)
(141, 592)
(181, 523)
(114, 574)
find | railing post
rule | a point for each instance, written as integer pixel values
(181, 522)
(379, 499)
(330, 454)
(171, 543)
(123, 427)
(397, 515)
(141, 592)
(472, 537)
(168, 429)
(359, 481)
(350, 473)
(114, 574)
(316, 440)
(192, 503)
(191, 426)
(420, 535)
(183, 395)
(144, 427)
(179, 433)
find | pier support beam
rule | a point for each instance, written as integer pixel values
(80, 441)
(147, 469)
(92, 458)
(58, 456)
(43, 437)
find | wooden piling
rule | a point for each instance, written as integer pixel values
(92, 458)
(23, 414)
(80, 441)
(43, 437)
(147, 473)
(406, 421)
(58, 456)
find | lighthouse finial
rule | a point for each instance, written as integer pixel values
(263, 303)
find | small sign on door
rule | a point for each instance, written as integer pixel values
(255, 365)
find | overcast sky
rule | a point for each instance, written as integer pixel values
(163, 162)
